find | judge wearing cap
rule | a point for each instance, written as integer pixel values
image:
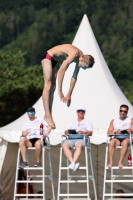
(81, 126)
(31, 136)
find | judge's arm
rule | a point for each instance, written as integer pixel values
(111, 128)
(131, 125)
(25, 129)
(66, 132)
(24, 133)
(130, 130)
(89, 133)
(85, 132)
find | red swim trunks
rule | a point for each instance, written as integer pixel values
(47, 56)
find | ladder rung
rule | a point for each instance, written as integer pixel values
(80, 176)
(115, 176)
(73, 181)
(76, 198)
(30, 195)
(38, 176)
(120, 147)
(118, 181)
(39, 198)
(82, 194)
(35, 176)
(63, 168)
(116, 194)
(34, 148)
(30, 181)
(32, 168)
(34, 198)
(48, 176)
(120, 168)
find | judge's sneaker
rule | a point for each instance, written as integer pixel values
(72, 166)
(37, 164)
(23, 165)
(76, 166)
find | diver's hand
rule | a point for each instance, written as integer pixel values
(62, 98)
(68, 99)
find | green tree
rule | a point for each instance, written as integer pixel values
(20, 86)
(35, 26)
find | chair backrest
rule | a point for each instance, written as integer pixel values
(77, 136)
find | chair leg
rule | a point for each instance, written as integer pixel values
(94, 185)
(104, 184)
(68, 178)
(16, 176)
(59, 178)
(43, 172)
(87, 172)
(111, 182)
(131, 153)
(51, 174)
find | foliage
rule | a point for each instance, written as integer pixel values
(20, 86)
(35, 26)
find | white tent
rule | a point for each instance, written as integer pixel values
(96, 89)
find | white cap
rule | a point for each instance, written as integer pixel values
(81, 107)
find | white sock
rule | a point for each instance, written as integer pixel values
(73, 163)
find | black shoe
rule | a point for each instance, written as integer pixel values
(23, 165)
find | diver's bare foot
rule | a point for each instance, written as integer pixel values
(120, 165)
(50, 122)
(110, 165)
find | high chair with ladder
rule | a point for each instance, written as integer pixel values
(35, 179)
(113, 176)
(77, 178)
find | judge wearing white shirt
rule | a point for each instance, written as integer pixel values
(31, 136)
(82, 126)
(120, 125)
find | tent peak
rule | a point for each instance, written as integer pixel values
(85, 17)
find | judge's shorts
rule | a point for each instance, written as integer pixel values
(72, 143)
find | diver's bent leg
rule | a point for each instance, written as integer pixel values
(47, 73)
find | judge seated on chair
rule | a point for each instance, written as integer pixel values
(120, 127)
(31, 136)
(81, 126)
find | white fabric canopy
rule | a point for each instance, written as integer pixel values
(96, 89)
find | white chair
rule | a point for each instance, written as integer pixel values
(114, 176)
(32, 169)
(86, 177)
